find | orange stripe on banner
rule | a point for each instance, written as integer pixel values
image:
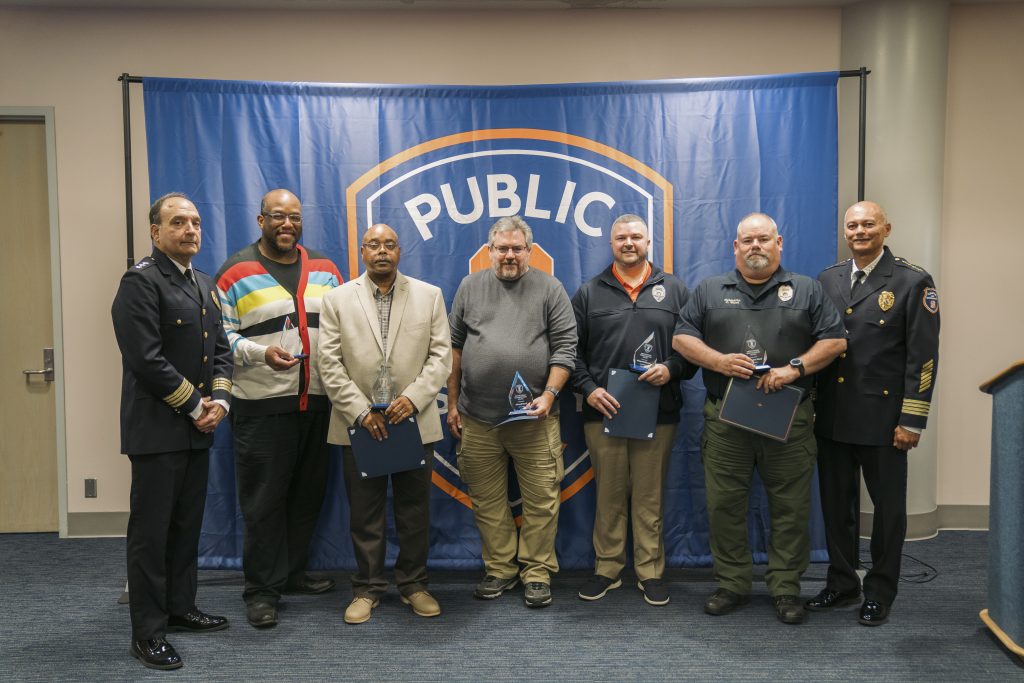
(449, 488)
(573, 488)
(502, 134)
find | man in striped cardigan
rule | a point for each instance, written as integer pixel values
(270, 293)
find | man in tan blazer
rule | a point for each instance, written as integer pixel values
(384, 317)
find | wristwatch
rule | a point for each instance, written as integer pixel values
(554, 392)
(798, 364)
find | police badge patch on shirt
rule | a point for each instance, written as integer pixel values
(785, 293)
(658, 292)
(930, 300)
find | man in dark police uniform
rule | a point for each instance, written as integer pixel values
(790, 317)
(873, 402)
(175, 390)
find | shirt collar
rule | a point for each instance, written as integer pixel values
(868, 268)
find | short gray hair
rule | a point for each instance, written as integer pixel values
(510, 224)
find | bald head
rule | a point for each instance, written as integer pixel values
(381, 254)
(758, 247)
(865, 227)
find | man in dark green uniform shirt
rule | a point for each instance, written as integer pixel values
(801, 332)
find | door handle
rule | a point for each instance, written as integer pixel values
(47, 371)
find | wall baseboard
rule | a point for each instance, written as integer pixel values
(926, 524)
(919, 526)
(91, 524)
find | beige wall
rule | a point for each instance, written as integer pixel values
(69, 60)
(982, 312)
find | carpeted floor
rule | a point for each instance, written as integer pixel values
(61, 623)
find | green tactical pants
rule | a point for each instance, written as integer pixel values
(786, 469)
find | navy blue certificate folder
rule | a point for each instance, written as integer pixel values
(771, 415)
(401, 451)
(638, 406)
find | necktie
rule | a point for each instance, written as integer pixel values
(191, 277)
(858, 280)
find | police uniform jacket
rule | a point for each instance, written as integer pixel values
(787, 315)
(611, 326)
(174, 352)
(887, 374)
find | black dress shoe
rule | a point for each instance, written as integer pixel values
(789, 609)
(261, 614)
(723, 601)
(156, 653)
(828, 599)
(309, 586)
(873, 613)
(197, 622)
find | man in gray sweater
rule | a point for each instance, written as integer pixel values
(513, 348)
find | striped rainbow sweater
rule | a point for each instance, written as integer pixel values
(258, 312)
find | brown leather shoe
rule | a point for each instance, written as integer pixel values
(423, 604)
(360, 610)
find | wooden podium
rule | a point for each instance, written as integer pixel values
(1005, 614)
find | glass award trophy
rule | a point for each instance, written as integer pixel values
(755, 352)
(519, 396)
(291, 341)
(643, 357)
(383, 392)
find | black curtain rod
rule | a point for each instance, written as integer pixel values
(125, 79)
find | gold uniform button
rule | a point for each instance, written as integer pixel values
(204, 311)
(201, 385)
(881, 322)
(205, 335)
(178, 321)
(885, 392)
(840, 380)
(205, 358)
(849, 311)
(843, 354)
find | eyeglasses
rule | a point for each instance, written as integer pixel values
(375, 245)
(504, 250)
(295, 218)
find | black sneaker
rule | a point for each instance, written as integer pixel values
(597, 587)
(493, 586)
(537, 594)
(655, 591)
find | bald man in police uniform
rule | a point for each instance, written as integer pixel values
(175, 390)
(873, 402)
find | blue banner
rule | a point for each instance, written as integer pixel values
(441, 163)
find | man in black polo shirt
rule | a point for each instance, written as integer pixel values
(796, 324)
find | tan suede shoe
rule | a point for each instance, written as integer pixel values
(360, 610)
(423, 604)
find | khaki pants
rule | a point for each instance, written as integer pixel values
(630, 475)
(536, 451)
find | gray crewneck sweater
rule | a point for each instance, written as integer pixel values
(526, 325)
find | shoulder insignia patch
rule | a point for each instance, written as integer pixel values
(886, 300)
(930, 300)
(144, 263)
(836, 265)
(907, 264)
